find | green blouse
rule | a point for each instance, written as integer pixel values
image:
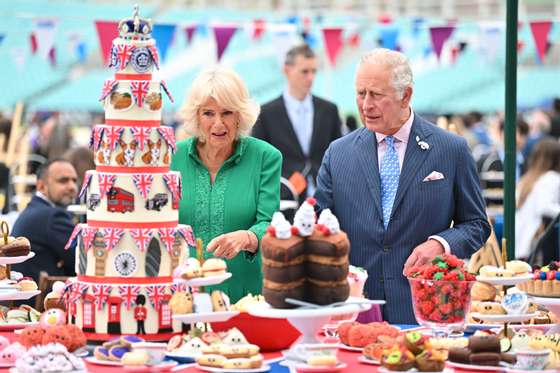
(245, 194)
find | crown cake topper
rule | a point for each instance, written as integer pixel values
(135, 28)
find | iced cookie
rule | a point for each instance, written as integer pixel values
(491, 308)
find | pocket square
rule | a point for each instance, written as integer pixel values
(434, 176)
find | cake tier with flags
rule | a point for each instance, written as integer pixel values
(132, 242)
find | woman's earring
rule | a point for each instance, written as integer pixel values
(237, 125)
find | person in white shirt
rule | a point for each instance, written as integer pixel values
(538, 195)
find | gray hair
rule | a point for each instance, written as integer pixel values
(228, 89)
(399, 64)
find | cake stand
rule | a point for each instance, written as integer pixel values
(505, 281)
(204, 281)
(553, 305)
(309, 320)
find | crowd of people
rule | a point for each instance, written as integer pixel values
(404, 189)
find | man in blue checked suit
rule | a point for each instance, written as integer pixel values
(403, 189)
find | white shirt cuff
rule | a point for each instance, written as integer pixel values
(442, 241)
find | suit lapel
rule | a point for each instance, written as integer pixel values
(316, 133)
(367, 158)
(288, 127)
(413, 159)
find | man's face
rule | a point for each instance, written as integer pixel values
(380, 108)
(60, 184)
(301, 74)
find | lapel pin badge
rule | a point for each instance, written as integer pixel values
(422, 144)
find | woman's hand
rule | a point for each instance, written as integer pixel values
(228, 245)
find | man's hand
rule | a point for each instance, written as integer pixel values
(228, 245)
(424, 253)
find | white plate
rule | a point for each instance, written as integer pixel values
(505, 280)
(263, 309)
(545, 301)
(486, 368)
(96, 361)
(385, 370)
(181, 357)
(16, 259)
(513, 370)
(18, 295)
(504, 318)
(263, 368)
(13, 326)
(475, 327)
(163, 367)
(191, 318)
(14, 370)
(7, 365)
(344, 347)
(205, 281)
(320, 369)
(367, 360)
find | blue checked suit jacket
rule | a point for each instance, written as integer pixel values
(348, 183)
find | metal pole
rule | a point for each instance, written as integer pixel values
(510, 124)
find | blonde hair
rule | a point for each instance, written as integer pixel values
(226, 87)
(401, 72)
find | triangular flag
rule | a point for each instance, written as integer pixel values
(44, 30)
(189, 32)
(106, 32)
(540, 30)
(18, 56)
(33, 43)
(52, 57)
(2, 38)
(389, 37)
(333, 42)
(258, 28)
(354, 40)
(223, 36)
(417, 23)
(438, 36)
(164, 38)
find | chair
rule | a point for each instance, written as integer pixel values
(289, 202)
(547, 244)
(45, 285)
(489, 254)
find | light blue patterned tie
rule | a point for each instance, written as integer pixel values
(389, 173)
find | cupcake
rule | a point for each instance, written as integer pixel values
(397, 359)
(414, 342)
(357, 277)
(430, 361)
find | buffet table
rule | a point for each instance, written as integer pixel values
(350, 358)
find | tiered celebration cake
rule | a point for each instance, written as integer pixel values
(127, 251)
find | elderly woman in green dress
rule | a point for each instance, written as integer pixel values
(231, 181)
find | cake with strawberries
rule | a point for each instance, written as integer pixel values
(132, 242)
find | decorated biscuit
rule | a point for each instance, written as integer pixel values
(515, 303)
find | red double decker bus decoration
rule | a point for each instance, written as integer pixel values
(119, 200)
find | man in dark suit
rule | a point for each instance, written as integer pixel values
(298, 123)
(47, 224)
(403, 189)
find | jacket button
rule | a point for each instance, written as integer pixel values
(381, 280)
(386, 248)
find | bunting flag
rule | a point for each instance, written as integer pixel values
(143, 182)
(417, 23)
(142, 237)
(187, 232)
(85, 183)
(178, 287)
(88, 235)
(129, 293)
(189, 32)
(258, 28)
(101, 293)
(173, 181)
(112, 236)
(540, 30)
(106, 32)
(333, 43)
(78, 291)
(164, 86)
(491, 42)
(95, 137)
(139, 91)
(77, 230)
(52, 57)
(389, 36)
(354, 40)
(168, 134)
(2, 36)
(167, 237)
(223, 35)
(141, 135)
(33, 43)
(108, 87)
(163, 34)
(66, 293)
(44, 30)
(155, 55)
(439, 36)
(77, 46)
(18, 56)
(113, 135)
(106, 182)
(156, 294)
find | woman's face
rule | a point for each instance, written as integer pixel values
(218, 125)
